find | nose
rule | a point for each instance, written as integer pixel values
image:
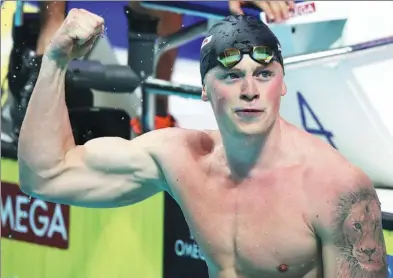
(249, 91)
(368, 251)
(249, 96)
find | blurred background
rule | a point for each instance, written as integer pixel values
(143, 74)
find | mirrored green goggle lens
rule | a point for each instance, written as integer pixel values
(231, 56)
(262, 54)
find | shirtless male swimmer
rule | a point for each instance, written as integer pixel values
(261, 197)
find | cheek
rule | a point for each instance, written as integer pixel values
(220, 106)
(221, 96)
(273, 90)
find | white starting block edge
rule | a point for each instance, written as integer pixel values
(386, 198)
(315, 11)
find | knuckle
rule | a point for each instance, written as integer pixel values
(99, 19)
(72, 15)
(74, 12)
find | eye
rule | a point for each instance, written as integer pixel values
(231, 76)
(264, 74)
(357, 226)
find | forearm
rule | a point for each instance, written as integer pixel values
(46, 133)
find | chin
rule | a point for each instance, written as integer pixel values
(252, 129)
(258, 126)
(237, 126)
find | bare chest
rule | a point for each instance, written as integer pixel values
(253, 227)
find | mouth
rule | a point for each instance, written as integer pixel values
(249, 112)
(371, 265)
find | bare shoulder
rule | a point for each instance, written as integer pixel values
(345, 214)
(177, 150)
(320, 157)
(335, 187)
(331, 168)
(330, 179)
(342, 209)
(175, 140)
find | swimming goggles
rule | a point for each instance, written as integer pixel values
(232, 56)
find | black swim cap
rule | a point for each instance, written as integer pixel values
(236, 31)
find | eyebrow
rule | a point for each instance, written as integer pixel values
(221, 71)
(237, 70)
(261, 67)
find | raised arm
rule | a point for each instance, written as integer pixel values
(105, 172)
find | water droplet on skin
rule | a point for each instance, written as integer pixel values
(265, 233)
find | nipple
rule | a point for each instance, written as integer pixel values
(283, 268)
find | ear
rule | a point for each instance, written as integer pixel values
(283, 89)
(204, 96)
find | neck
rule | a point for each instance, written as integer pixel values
(245, 152)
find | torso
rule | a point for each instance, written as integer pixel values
(257, 228)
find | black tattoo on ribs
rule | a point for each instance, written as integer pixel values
(359, 236)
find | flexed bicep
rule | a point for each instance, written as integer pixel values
(105, 172)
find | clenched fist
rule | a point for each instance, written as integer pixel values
(76, 36)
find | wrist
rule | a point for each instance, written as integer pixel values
(59, 59)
